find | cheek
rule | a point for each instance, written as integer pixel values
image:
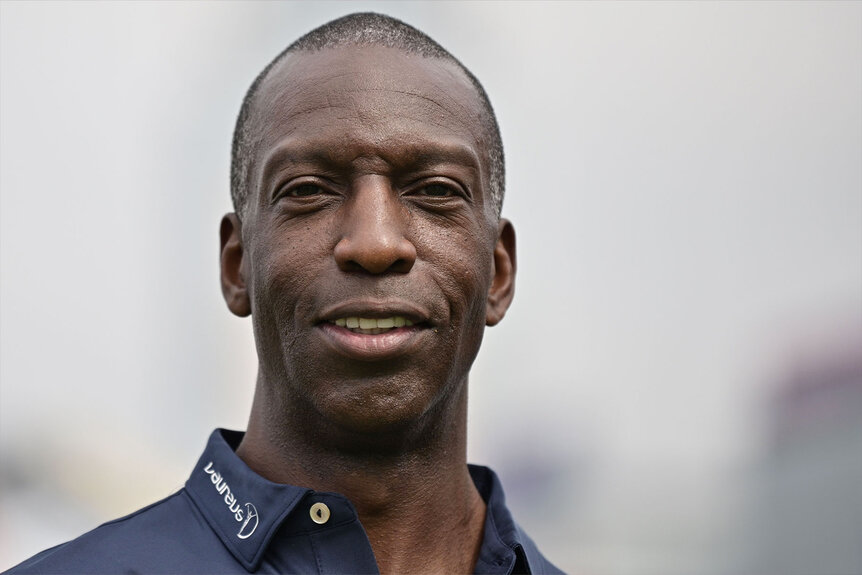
(464, 271)
(284, 269)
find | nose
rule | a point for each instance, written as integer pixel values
(373, 230)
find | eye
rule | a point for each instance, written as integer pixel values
(437, 191)
(304, 191)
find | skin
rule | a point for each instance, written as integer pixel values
(369, 197)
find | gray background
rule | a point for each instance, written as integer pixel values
(678, 387)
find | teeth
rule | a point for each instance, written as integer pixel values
(377, 325)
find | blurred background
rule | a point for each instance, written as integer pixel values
(678, 386)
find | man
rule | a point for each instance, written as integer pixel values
(368, 248)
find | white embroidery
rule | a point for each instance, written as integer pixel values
(249, 513)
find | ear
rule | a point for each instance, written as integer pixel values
(503, 281)
(233, 286)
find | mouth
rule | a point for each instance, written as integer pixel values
(374, 331)
(372, 326)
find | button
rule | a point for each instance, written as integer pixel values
(319, 513)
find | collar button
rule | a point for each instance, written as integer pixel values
(319, 513)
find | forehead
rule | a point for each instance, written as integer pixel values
(369, 99)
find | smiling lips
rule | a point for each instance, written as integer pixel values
(373, 339)
(372, 326)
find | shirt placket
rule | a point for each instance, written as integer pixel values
(322, 535)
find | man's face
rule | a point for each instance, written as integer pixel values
(369, 204)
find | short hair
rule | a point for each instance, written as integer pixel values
(360, 29)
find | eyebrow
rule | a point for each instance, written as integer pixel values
(411, 156)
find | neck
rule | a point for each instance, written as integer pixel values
(404, 484)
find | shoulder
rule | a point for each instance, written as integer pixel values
(167, 536)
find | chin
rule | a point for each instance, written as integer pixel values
(382, 421)
(372, 413)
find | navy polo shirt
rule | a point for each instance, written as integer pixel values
(228, 519)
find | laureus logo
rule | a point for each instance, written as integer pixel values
(248, 516)
(250, 522)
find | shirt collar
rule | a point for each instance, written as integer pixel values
(503, 541)
(245, 510)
